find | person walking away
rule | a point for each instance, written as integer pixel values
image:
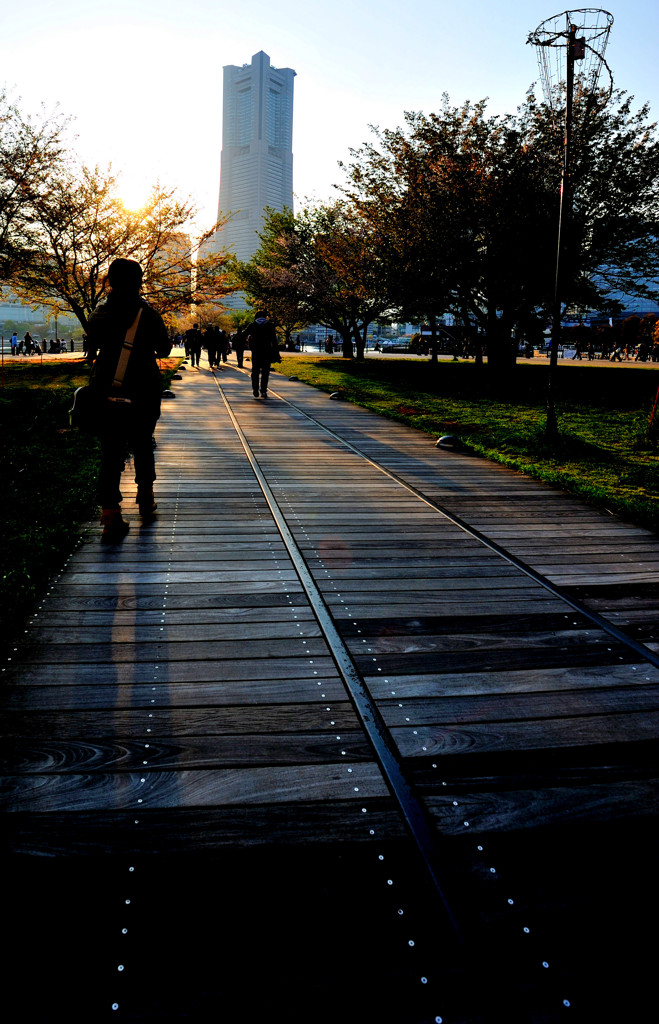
(141, 385)
(14, 343)
(262, 339)
(238, 345)
(224, 346)
(193, 338)
(211, 346)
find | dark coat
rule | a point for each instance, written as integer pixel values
(106, 331)
(262, 340)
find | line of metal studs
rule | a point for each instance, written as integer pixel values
(83, 538)
(127, 901)
(393, 885)
(510, 901)
(467, 824)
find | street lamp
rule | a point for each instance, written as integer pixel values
(558, 47)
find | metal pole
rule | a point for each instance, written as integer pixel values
(563, 226)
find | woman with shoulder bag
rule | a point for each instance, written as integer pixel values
(125, 337)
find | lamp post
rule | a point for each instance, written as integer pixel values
(575, 51)
(551, 38)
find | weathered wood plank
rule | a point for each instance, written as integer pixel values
(506, 811)
(448, 740)
(146, 790)
(180, 830)
(174, 751)
(186, 721)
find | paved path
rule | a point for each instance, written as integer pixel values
(339, 637)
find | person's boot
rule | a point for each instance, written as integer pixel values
(146, 502)
(114, 526)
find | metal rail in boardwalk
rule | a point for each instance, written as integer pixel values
(639, 649)
(373, 723)
(329, 661)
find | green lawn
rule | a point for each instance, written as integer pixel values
(603, 454)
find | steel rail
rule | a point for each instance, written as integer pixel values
(598, 620)
(412, 811)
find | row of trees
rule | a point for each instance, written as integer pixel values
(457, 212)
(62, 223)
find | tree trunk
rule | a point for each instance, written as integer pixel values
(432, 320)
(360, 341)
(501, 347)
(346, 338)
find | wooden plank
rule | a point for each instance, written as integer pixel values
(176, 752)
(502, 680)
(146, 790)
(185, 721)
(447, 740)
(507, 811)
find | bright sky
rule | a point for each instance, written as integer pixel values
(143, 78)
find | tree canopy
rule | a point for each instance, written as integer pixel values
(457, 212)
(62, 223)
(469, 206)
(323, 266)
(30, 150)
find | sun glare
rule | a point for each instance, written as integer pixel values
(133, 192)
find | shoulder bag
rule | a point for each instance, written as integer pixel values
(95, 410)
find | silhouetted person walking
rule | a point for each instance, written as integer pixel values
(238, 344)
(140, 390)
(211, 346)
(262, 339)
(194, 340)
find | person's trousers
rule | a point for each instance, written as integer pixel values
(260, 374)
(115, 449)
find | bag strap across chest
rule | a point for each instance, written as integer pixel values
(124, 355)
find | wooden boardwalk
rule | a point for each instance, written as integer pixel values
(318, 676)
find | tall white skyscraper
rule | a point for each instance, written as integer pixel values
(257, 149)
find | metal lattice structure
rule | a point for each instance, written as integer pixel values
(551, 39)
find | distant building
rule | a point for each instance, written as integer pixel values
(257, 150)
(12, 310)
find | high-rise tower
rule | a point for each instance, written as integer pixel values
(257, 149)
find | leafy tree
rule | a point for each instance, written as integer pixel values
(402, 185)
(79, 225)
(31, 149)
(269, 280)
(613, 244)
(322, 266)
(467, 210)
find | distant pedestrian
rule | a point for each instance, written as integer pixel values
(238, 345)
(262, 339)
(14, 343)
(210, 340)
(193, 344)
(223, 346)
